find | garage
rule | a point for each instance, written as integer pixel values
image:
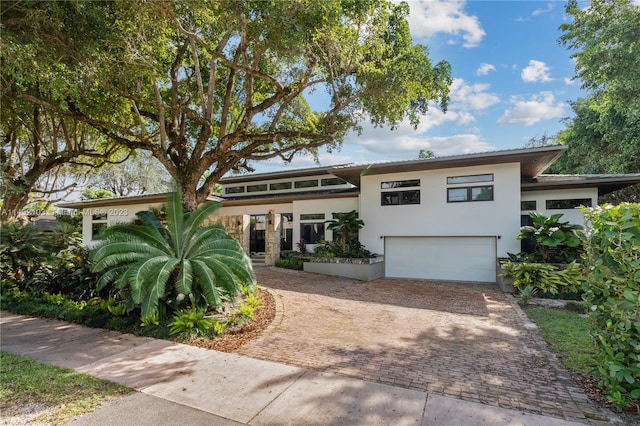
(441, 258)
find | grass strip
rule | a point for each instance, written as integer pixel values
(64, 393)
(568, 335)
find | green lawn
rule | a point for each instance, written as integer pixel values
(568, 335)
(25, 382)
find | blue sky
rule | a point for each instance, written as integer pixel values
(512, 81)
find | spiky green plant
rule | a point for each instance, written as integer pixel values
(180, 263)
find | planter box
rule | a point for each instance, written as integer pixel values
(505, 284)
(359, 269)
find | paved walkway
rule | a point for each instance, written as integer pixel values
(340, 352)
(463, 340)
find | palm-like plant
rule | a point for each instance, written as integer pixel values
(178, 263)
(550, 232)
(345, 223)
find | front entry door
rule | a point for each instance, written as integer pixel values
(257, 234)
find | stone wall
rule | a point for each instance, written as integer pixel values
(237, 226)
(273, 236)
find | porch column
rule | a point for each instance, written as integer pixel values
(273, 234)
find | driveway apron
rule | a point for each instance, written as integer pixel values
(463, 340)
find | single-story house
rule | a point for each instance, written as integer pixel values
(445, 218)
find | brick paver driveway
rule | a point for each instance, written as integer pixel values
(463, 340)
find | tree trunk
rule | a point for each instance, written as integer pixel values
(12, 204)
(189, 196)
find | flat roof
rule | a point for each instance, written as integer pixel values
(533, 161)
(605, 183)
(282, 174)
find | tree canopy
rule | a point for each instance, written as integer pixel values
(604, 134)
(211, 87)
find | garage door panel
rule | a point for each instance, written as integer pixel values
(441, 258)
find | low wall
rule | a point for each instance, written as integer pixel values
(359, 269)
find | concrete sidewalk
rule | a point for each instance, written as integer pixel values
(181, 384)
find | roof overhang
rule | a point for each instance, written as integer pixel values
(283, 174)
(604, 183)
(288, 198)
(121, 201)
(533, 161)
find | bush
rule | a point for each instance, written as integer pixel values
(290, 262)
(555, 241)
(546, 278)
(613, 296)
(353, 249)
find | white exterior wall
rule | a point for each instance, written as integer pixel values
(326, 206)
(435, 217)
(254, 210)
(115, 214)
(572, 215)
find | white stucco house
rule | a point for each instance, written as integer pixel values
(446, 218)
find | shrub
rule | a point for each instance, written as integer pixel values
(353, 249)
(290, 262)
(612, 292)
(555, 241)
(547, 278)
(174, 265)
(192, 322)
(23, 250)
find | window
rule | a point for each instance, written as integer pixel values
(400, 184)
(98, 223)
(470, 193)
(279, 185)
(306, 183)
(397, 198)
(528, 205)
(234, 190)
(257, 188)
(331, 181)
(568, 204)
(312, 216)
(312, 232)
(470, 179)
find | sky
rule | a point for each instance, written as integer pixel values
(512, 81)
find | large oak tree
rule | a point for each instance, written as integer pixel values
(212, 86)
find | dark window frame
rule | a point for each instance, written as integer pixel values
(568, 203)
(309, 183)
(234, 190)
(312, 216)
(258, 187)
(469, 191)
(286, 186)
(332, 181)
(531, 206)
(404, 198)
(457, 180)
(312, 232)
(406, 183)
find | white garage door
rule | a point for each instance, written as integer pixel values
(441, 258)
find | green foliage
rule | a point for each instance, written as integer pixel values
(346, 224)
(179, 264)
(604, 133)
(354, 249)
(290, 262)
(23, 249)
(545, 277)
(66, 393)
(556, 241)
(203, 64)
(192, 322)
(97, 193)
(612, 291)
(568, 335)
(578, 307)
(527, 293)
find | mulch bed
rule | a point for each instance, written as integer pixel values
(235, 337)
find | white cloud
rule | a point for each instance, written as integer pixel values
(569, 81)
(528, 112)
(484, 69)
(428, 17)
(549, 8)
(536, 71)
(471, 96)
